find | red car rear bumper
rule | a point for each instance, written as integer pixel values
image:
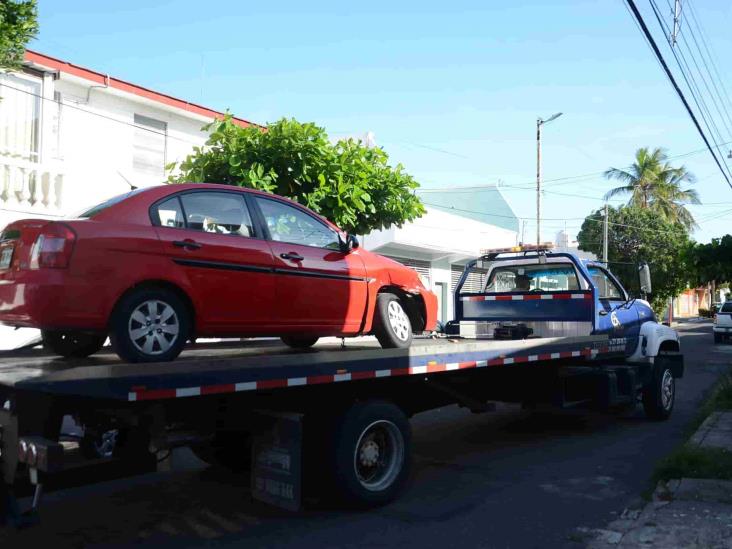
(49, 299)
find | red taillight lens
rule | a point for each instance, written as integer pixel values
(53, 247)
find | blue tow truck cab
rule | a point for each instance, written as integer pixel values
(555, 294)
(532, 327)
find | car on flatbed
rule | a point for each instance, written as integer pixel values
(723, 322)
(156, 267)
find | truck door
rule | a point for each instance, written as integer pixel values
(618, 321)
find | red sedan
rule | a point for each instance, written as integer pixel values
(157, 267)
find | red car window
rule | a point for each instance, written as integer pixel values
(289, 224)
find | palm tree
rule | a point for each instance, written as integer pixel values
(654, 183)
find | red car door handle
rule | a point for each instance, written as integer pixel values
(188, 244)
(292, 256)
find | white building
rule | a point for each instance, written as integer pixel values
(71, 137)
(458, 225)
(564, 243)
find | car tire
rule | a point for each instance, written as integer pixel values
(299, 342)
(72, 344)
(159, 317)
(372, 455)
(392, 326)
(659, 395)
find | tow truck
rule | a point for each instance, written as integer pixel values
(531, 326)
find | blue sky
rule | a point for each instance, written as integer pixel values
(451, 90)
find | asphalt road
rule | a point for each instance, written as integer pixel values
(503, 479)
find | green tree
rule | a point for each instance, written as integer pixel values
(653, 183)
(636, 235)
(712, 263)
(18, 25)
(347, 182)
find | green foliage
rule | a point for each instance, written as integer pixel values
(693, 462)
(712, 262)
(636, 235)
(653, 183)
(18, 24)
(347, 182)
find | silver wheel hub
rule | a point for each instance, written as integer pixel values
(667, 390)
(399, 321)
(379, 455)
(153, 327)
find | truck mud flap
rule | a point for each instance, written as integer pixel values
(277, 460)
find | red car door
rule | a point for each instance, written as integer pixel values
(210, 235)
(318, 286)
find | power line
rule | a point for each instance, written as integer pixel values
(671, 78)
(694, 88)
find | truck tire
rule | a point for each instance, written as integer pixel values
(392, 326)
(150, 325)
(72, 344)
(372, 454)
(660, 394)
(299, 342)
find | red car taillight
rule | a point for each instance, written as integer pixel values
(53, 247)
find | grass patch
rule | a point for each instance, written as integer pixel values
(693, 462)
(719, 399)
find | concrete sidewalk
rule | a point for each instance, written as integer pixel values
(684, 513)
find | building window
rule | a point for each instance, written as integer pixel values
(20, 116)
(149, 146)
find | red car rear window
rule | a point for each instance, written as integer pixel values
(91, 212)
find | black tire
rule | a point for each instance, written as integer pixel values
(122, 322)
(72, 344)
(369, 431)
(230, 451)
(717, 338)
(659, 395)
(299, 342)
(384, 329)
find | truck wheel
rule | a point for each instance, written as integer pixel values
(392, 326)
(150, 325)
(660, 394)
(372, 453)
(299, 342)
(72, 344)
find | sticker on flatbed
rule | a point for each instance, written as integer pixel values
(6, 256)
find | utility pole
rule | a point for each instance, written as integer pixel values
(539, 123)
(604, 236)
(677, 22)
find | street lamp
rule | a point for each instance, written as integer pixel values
(539, 123)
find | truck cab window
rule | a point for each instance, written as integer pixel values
(606, 287)
(527, 278)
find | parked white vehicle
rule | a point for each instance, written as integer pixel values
(723, 322)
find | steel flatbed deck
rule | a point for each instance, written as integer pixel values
(267, 365)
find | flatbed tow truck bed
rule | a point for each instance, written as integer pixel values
(264, 365)
(289, 416)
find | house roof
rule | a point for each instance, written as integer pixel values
(49, 62)
(484, 203)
